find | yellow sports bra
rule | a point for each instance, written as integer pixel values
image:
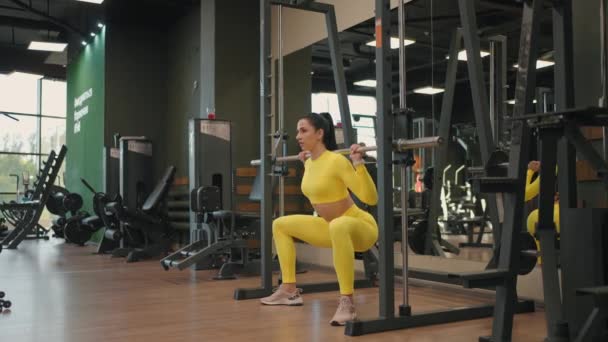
(328, 178)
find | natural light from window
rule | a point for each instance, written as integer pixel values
(366, 105)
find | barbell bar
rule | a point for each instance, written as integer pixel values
(399, 145)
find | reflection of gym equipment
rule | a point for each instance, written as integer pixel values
(463, 211)
(576, 301)
(387, 318)
(461, 214)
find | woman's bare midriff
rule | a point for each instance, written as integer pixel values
(330, 211)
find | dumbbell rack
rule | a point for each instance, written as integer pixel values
(4, 304)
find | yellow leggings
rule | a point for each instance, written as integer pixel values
(533, 220)
(354, 231)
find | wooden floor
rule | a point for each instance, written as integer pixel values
(64, 293)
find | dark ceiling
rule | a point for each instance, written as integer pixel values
(22, 21)
(431, 24)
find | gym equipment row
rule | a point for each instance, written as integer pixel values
(575, 305)
(220, 237)
(132, 213)
(4, 303)
(24, 216)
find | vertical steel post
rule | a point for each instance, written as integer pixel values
(384, 153)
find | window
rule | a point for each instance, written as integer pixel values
(359, 105)
(40, 107)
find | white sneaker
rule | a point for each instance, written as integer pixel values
(345, 312)
(282, 297)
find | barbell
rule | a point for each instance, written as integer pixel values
(399, 145)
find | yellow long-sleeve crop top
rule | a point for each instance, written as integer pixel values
(328, 178)
(532, 188)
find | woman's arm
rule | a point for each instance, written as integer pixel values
(357, 179)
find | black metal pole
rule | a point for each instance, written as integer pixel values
(335, 51)
(385, 165)
(506, 293)
(441, 155)
(480, 101)
(265, 147)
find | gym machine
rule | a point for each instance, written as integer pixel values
(575, 307)
(24, 216)
(112, 235)
(4, 303)
(139, 208)
(214, 243)
(66, 206)
(135, 164)
(387, 319)
(273, 161)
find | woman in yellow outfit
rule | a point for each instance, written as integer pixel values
(341, 225)
(532, 190)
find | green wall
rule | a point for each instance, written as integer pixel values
(84, 136)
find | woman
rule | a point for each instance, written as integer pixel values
(341, 225)
(532, 190)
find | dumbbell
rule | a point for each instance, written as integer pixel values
(4, 304)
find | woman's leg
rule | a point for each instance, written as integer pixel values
(352, 233)
(313, 230)
(310, 229)
(533, 220)
(356, 231)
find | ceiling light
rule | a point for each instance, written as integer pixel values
(512, 102)
(18, 75)
(92, 1)
(92, 34)
(394, 42)
(462, 55)
(543, 64)
(47, 46)
(100, 25)
(428, 90)
(366, 83)
(84, 43)
(539, 64)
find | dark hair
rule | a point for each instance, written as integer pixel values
(325, 122)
